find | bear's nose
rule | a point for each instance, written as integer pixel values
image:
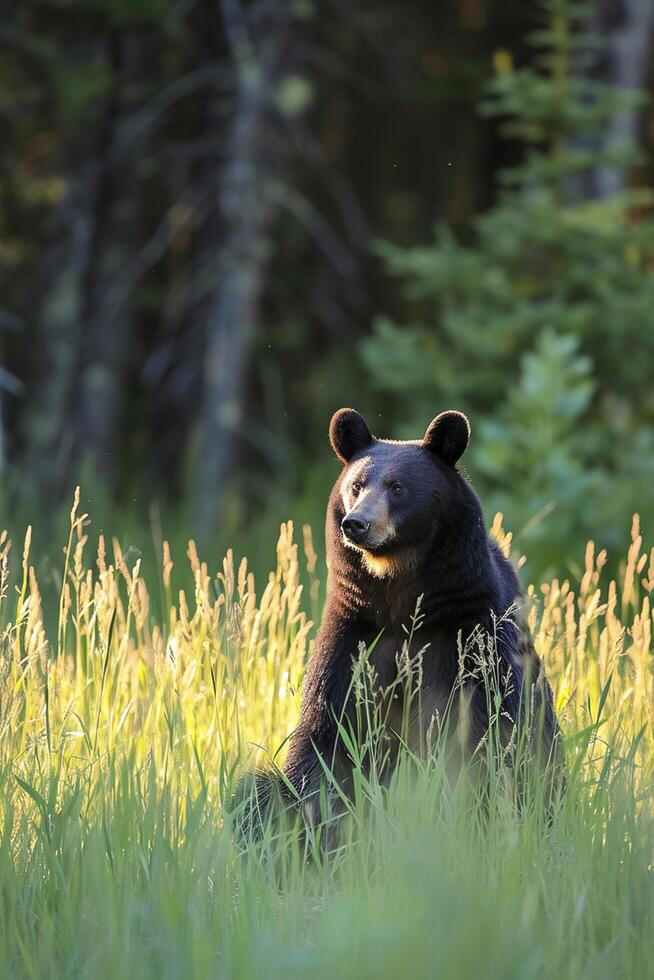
(355, 529)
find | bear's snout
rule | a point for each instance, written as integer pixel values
(355, 529)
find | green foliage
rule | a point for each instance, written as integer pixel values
(78, 86)
(555, 109)
(294, 95)
(536, 436)
(542, 326)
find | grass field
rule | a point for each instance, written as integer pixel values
(125, 726)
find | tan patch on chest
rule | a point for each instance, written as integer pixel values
(400, 562)
(378, 565)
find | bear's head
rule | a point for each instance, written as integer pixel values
(393, 498)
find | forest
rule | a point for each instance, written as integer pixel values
(222, 221)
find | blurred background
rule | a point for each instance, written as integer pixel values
(223, 219)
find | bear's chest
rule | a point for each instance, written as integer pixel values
(413, 677)
(426, 650)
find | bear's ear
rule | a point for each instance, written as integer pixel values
(447, 436)
(348, 433)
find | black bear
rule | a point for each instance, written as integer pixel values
(404, 523)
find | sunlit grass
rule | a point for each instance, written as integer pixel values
(123, 733)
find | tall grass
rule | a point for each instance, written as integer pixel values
(123, 732)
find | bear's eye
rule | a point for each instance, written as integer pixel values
(396, 488)
(356, 488)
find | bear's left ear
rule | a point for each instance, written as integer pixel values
(447, 436)
(348, 433)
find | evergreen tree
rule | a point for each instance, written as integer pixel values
(542, 328)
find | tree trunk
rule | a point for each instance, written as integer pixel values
(247, 213)
(104, 326)
(627, 27)
(45, 434)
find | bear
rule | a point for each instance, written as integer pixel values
(406, 543)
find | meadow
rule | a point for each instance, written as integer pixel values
(126, 720)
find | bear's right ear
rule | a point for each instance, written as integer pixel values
(348, 433)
